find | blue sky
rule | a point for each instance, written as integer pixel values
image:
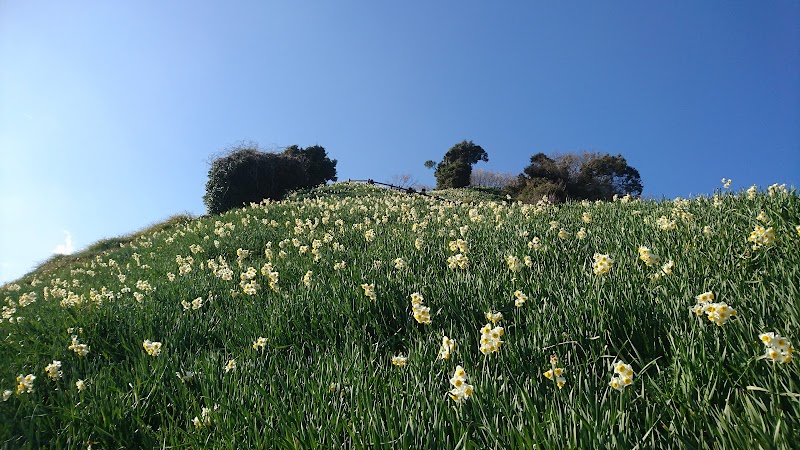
(110, 111)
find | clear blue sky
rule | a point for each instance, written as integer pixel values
(110, 110)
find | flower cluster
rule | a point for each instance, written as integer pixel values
(25, 383)
(602, 263)
(623, 376)
(421, 313)
(459, 245)
(666, 224)
(650, 259)
(77, 347)
(535, 243)
(581, 234)
(194, 304)
(307, 278)
(761, 237)
(775, 189)
(53, 370)
(205, 418)
(230, 366)
(184, 264)
(26, 299)
(259, 343)
(513, 263)
(369, 290)
(555, 373)
(778, 348)
(151, 347)
(399, 263)
(726, 183)
(241, 255)
(248, 282)
(493, 317)
(8, 312)
(220, 269)
(719, 313)
(448, 345)
(519, 298)
(458, 260)
(461, 389)
(490, 339)
(399, 360)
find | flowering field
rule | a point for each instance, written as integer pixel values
(355, 317)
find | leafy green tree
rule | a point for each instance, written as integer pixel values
(456, 167)
(246, 174)
(603, 176)
(591, 176)
(319, 168)
(545, 167)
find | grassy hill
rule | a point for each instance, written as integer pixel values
(296, 325)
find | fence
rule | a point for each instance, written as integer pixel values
(408, 190)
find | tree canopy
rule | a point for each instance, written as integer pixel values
(319, 168)
(590, 176)
(456, 166)
(246, 174)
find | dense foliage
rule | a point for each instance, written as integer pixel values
(584, 176)
(318, 167)
(353, 317)
(247, 175)
(456, 166)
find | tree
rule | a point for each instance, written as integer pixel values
(604, 176)
(591, 176)
(456, 167)
(246, 174)
(545, 167)
(319, 168)
(453, 175)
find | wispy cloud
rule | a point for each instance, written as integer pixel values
(66, 247)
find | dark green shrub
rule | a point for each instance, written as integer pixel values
(455, 169)
(453, 175)
(247, 175)
(319, 168)
(590, 176)
(533, 192)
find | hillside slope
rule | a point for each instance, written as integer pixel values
(295, 324)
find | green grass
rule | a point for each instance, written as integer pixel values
(325, 379)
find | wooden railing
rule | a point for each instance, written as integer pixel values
(407, 190)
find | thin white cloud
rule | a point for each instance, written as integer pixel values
(66, 247)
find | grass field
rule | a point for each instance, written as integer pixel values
(320, 322)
